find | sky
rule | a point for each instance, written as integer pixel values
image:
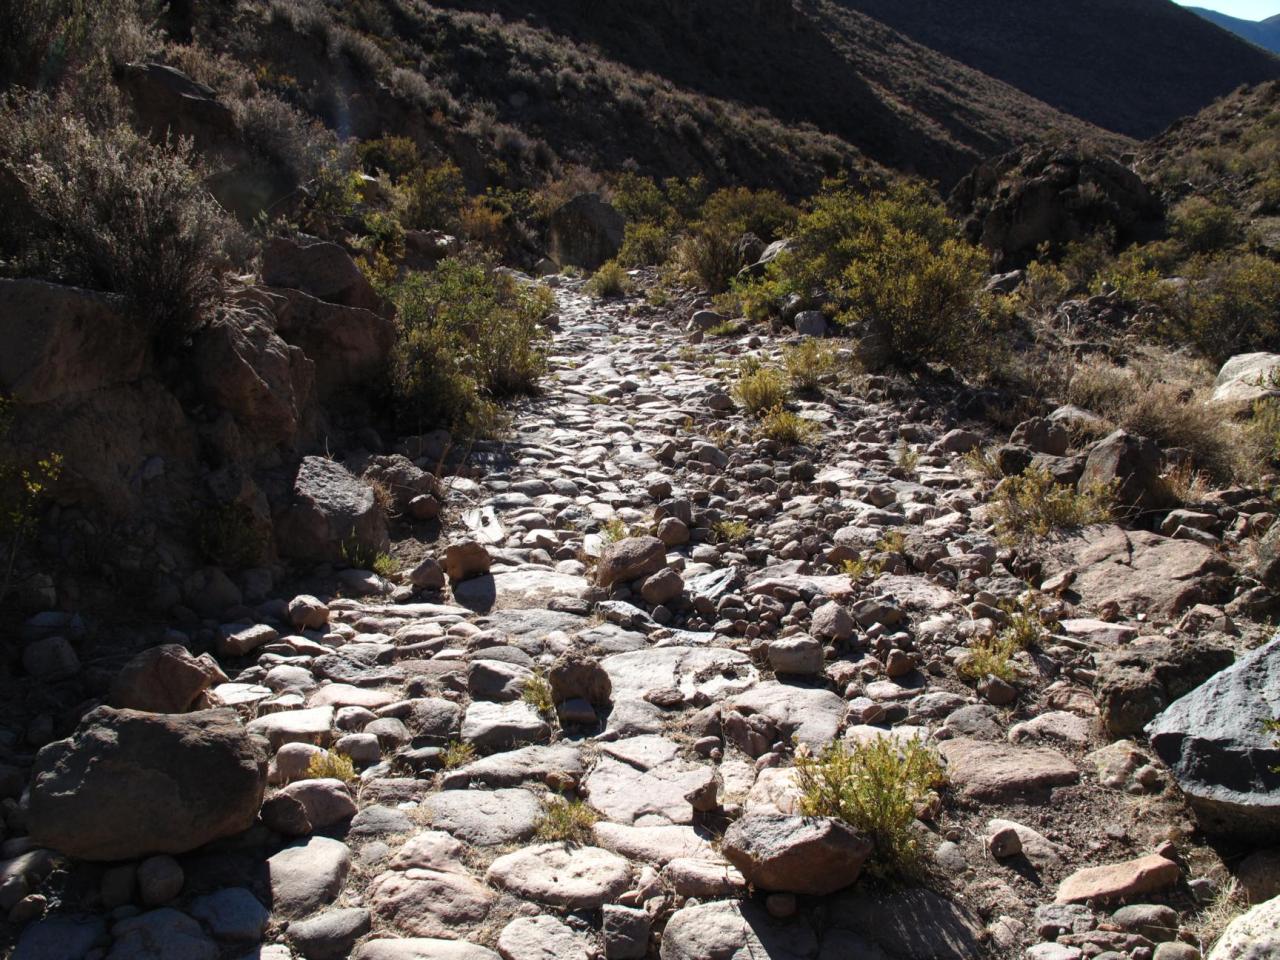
(1244, 9)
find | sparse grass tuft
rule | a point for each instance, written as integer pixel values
(331, 765)
(876, 788)
(566, 821)
(458, 754)
(1032, 506)
(990, 656)
(730, 531)
(807, 363)
(537, 694)
(1212, 921)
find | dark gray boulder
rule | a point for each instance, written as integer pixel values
(332, 512)
(129, 784)
(585, 232)
(1221, 751)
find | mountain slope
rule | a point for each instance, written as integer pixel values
(1133, 67)
(1264, 33)
(816, 63)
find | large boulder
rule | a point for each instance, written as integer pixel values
(1251, 936)
(806, 855)
(349, 344)
(1131, 464)
(322, 269)
(62, 342)
(1136, 682)
(167, 102)
(1015, 203)
(1247, 377)
(630, 559)
(243, 367)
(1224, 756)
(129, 784)
(585, 232)
(164, 679)
(401, 479)
(332, 511)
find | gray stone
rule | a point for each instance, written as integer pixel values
(1253, 936)
(51, 658)
(331, 511)
(232, 914)
(307, 875)
(163, 934)
(60, 938)
(484, 818)
(813, 856)
(626, 932)
(541, 938)
(501, 726)
(129, 784)
(734, 930)
(330, 935)
(797, 654)
(1216, 742)
(584, 232)
(580, 878)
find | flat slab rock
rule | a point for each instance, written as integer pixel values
(702, 674)
(536, 764)
(484, 818)
(774, 711)
(994, 772)
(643, 781)
(518, 588)
(734, 930)
(430, 903)
(1118, 881)
(423, 948)
(579, 878)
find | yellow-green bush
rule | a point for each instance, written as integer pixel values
(807, 362)
(1230, 305)
(434, 198)
(875, 787)
(760, 389)
(644, 244)
(1203, 226)
(611, 280)
(468, 336)
(566, 821)
(782, 426)
(737, 210)
(1033, 506)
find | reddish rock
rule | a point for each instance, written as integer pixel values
(1119, 880)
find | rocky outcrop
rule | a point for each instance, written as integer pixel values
(164, 679)
(1016, 203)
(1247, 377)
(316, 267)
(348, 343)
(585, 232)
(1255, 935)
(331, 510)
(129, 784)
(1130, 466)
(1223, 755)
(1135, 683)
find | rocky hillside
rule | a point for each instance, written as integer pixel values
(1133, 67)
(1263, 33)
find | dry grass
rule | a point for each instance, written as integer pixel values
(1032, 507)
(566, 821)
(1209, 924)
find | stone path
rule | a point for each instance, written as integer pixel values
(671, 702)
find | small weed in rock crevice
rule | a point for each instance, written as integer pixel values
(877, 788)
(566, 821)
(730, 531)
(759, 389)
(537, 694)
(806, 363)
(458, 753)
(331, 765)
(787, 428)
(990, 657)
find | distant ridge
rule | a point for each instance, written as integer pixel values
(1132, 67)
(1264, 33)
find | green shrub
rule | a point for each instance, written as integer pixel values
(1262, 434)
(397, 157)
(434, 198)
(787, 428)
(896, 270)
(1230, 305)
(41, 41)
(760, 390)
(989, 657)
(611, 280)
(1204, 226)
(1043, 288)
(644, 244)
(875, 787)
(807, 362)
(734, 211)
(468, 337)
(109, 210)
(708, 255)
(1032, 506)
(566, 821)
(730, 531)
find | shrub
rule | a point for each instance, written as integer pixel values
(43, 40)
(611, 280)
(468, 336)
(1204, 226)
(566, 821)
(787, 428)
(737, 210)
(709, 256)
(807, 363)
(760, 390)
(989, 657)
(730, 531)
(331, 765)
(644, 244)
(1032, 506)
(434, 198)
(458, 753)
(1262, 434)
(537, 694)
(111, 211)
(23, 485)
(1043, 288)
(876, 788)
(1230, 306)
(397, 157)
